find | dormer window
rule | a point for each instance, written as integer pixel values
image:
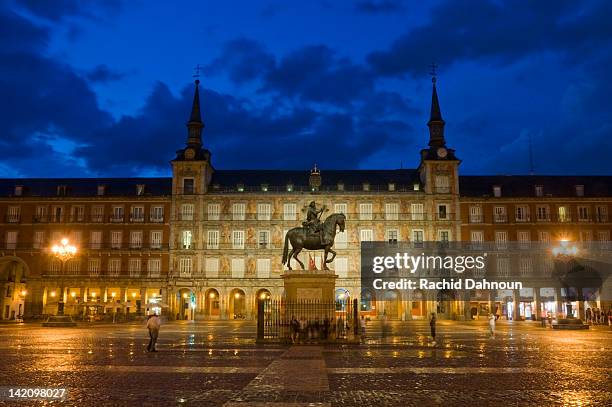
(61, 190)
(497, 191)
(289, 187)
(18, 190)
(579, 190)
(264, 187)
(140, 189)
(101, 190)
(340, 186)
(240, 187)
(391, 186)
(539, 190)
(366, 186)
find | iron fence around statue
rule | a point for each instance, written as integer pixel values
(306, 321)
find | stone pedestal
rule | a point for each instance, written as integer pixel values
(311, 285)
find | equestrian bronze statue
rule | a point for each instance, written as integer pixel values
(313, 235)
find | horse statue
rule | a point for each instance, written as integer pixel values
(301, 239)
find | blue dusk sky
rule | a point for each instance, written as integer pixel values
(104, 88)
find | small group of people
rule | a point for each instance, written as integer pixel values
(598, 316)
(546, 319)
(433, 320)
(312, 330)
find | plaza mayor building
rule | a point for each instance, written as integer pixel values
(207, 243)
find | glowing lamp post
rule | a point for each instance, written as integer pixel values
(63, 251)
(565, 251)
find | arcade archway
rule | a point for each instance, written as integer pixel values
(367, 305)
(186, 304)
(13, 291)
(237, 304)
(212, 301)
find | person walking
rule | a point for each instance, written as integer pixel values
(295, 327)
(432, 327)
(153, 325)
(491, 326)
(362, 326)
(303, 330)
(588, 315)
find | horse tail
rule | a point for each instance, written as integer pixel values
(286, 248)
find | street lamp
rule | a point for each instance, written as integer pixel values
(63, 251)
(565, 251)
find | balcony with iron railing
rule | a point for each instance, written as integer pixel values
(564, 218)
(116, 218)
(543, 217)
(12, 218)
(40, 219)
(102, 274)
(473, 218)
(137, 218)
(500, 218)
(56, 218)
(292, 188)
(522, 219)
(601, 218)
(77, 219)
(97, 218)
(186, 216)
(350, 217)
(128, 246)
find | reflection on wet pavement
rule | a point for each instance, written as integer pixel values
(217, 363)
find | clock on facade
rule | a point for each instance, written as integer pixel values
(189, 153)
(442, 152)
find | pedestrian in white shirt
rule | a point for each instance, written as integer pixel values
(491, 326)
(153, 325)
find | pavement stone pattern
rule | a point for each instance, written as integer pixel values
(217, 363)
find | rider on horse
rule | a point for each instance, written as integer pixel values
(313, 223)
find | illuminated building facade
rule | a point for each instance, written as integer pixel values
(206, 243)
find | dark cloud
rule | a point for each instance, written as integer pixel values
(310, 74)
(242, 60)
(18, 35)
(238, 135)
(379, 6)
(57, 10)
(102, 73)
(49, 105)
(317, 74)
(498, 31)
(313, 104)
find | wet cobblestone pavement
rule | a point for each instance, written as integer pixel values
(218, 363)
